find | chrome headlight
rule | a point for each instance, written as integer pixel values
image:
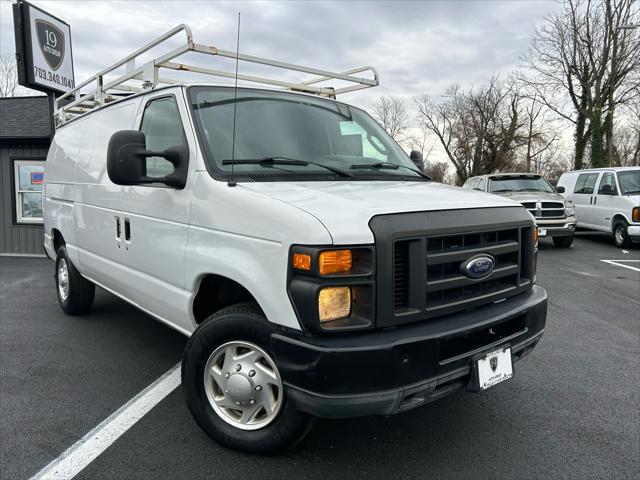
(569, 209)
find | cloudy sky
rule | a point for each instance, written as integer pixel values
(417, 46)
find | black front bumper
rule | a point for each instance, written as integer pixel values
(396, 369)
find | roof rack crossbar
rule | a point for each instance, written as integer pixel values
(75, 102)
(249, 78)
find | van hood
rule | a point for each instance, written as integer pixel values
(532, 196)
(345, 208)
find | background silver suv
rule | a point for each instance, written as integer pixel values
(554, 215)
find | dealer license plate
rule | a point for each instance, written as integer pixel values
(494, 367)
(542, 232)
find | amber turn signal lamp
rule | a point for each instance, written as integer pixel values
(335, 261)
(635, 214)
(535, 233)
(302, 261)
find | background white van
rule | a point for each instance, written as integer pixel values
(606, 199)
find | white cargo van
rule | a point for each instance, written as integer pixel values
(606, 199)
(317, 273)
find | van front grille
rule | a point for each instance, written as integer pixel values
(446, 285)
(420, 255)
(448, 289)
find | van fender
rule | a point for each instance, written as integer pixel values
(618, 216)
(259, 265)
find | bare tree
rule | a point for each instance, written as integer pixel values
(634, 126)
(479, 129)
(391, 113)
(552, 163)
(437, 171)
(582, 65)
(419, 138)
(626, 146)
(8, 76)
(537, 140)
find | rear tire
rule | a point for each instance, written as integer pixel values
(239, 332)
(75, 293)
(563, 242)
(621, 237)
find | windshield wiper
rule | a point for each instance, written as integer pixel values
(270, 161)
(631, 192)
(388, 165)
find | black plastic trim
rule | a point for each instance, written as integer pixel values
(415, 227)
(303, 288)
(388, 371)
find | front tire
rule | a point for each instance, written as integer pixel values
(75, 293)
(232, 385)
(563, 242)
(621, 237)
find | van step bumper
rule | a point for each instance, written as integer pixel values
(394, 370)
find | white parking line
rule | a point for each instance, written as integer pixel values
(89, 447)
(619, 263)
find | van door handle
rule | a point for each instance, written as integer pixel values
(595, 200)
(118, 231)
(127, 230)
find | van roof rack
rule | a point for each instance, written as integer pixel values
(147, 76)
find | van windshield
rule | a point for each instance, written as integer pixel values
(519, 183)
(629, 182)
(285, 135)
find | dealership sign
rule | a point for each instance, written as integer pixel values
(43, 49)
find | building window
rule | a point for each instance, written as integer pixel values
(29, 176)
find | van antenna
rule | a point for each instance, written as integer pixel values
(232, 182)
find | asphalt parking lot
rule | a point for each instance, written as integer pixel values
(572, 410)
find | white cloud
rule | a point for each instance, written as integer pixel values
(417, 47)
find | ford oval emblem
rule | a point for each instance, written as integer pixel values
(478, 266)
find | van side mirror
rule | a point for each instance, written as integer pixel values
(416, 158)
(560, 189)
(127, 160)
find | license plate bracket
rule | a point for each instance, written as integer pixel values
(491, 368)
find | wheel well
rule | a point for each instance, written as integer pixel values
(617, 217)
(58, 240)
(215, 293)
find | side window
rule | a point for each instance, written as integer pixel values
(480, 185)
(608, 179)
(162, 127)
(586, 183)
(29, 176)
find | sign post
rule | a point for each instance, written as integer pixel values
(43, 52)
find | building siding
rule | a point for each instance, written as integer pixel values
(17, 239)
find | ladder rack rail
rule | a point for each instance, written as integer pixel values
(75, 103)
